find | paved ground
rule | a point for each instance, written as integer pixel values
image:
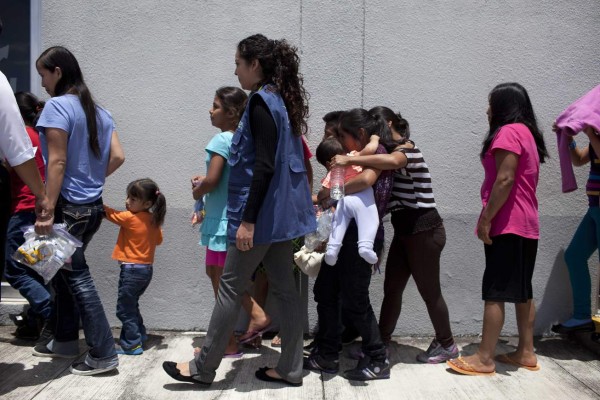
(569, 370)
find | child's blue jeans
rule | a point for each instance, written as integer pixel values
(133, 281)
(584, 243)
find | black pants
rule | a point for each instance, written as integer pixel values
(347, 281)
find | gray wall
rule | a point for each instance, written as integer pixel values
(155, 65)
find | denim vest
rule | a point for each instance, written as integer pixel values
(287, 211)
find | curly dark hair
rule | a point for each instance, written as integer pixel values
(280, 64)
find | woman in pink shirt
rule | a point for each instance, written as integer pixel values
(508, 226)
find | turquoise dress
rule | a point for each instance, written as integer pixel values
(213, 231)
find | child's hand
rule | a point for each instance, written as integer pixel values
(339, 160)
(197, 180)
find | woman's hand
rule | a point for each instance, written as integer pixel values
(483, 230)
(339, 160)
(244, 238)
(44, 223)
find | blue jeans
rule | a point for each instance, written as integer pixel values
(24, 279)
(75, 290)
(133, 282)
(584, 243)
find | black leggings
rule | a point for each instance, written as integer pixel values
(417, 255)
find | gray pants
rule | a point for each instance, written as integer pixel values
(239, 267)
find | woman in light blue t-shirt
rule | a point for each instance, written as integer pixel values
(81, 149)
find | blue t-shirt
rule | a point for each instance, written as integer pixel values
(84, 173)
(214, 227)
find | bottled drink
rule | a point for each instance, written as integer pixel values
(336, 183)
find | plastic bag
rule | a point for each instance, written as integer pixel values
(324, 221)
(199, 212)
(46, 254)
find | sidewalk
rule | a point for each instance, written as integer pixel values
(568, 370)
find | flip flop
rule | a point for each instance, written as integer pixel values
(465, 368)
(238, 354)
(505, 359)
(251, 335)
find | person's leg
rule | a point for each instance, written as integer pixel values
(424, 251)
(132, 284)
(341, 219)
(214, 272)
(254, 306)
(327, 291)
(239, 267)
(82, 222)
(283, 287)
(397, 273)
(582, 246)
(525, 353)
(29, 284)
(365, 213)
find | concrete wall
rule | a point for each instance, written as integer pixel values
(155, 65)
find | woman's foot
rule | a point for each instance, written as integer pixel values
(255, 328)
(472, 365)
(276, 341)
(519, 359)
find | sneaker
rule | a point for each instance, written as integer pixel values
(46, 334)
(81, 368)
(317, 363)
(42, 350)
(136, 351)
(349, 336)
(310, 348)
(368, 370)
(436, 353)
(26, 333)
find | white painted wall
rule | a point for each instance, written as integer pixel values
(155, 65)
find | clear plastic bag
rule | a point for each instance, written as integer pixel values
(324, 221)
(46, 254)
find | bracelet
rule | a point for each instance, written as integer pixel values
(572, 145)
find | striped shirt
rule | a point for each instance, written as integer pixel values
(412, 184)
(592, 187)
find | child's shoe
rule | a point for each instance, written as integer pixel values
(135, 351)
(436, 353)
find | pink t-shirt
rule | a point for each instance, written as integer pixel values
(350, 171)
(519, 214)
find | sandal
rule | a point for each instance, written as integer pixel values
(253, 334)
(506, 359)
(463, 367)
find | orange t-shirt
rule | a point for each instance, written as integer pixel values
(137, 239)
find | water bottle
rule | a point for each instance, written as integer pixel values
(336, 183)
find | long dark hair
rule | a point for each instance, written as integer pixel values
(399, 124)
(509, 104)
(280, 64)
(29, 106)
(353, 120)
(147, 190)
(71, 81)
(232, 99)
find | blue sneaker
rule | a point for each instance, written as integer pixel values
(136, 351)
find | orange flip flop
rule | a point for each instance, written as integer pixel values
(462, 367)
(505, 359)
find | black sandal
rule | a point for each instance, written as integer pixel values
(261, 374)
(171, 369)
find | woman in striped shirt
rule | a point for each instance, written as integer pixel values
(419, 237)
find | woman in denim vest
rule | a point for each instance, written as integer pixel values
(268, 205)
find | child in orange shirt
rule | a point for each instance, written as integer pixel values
(139, 235)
